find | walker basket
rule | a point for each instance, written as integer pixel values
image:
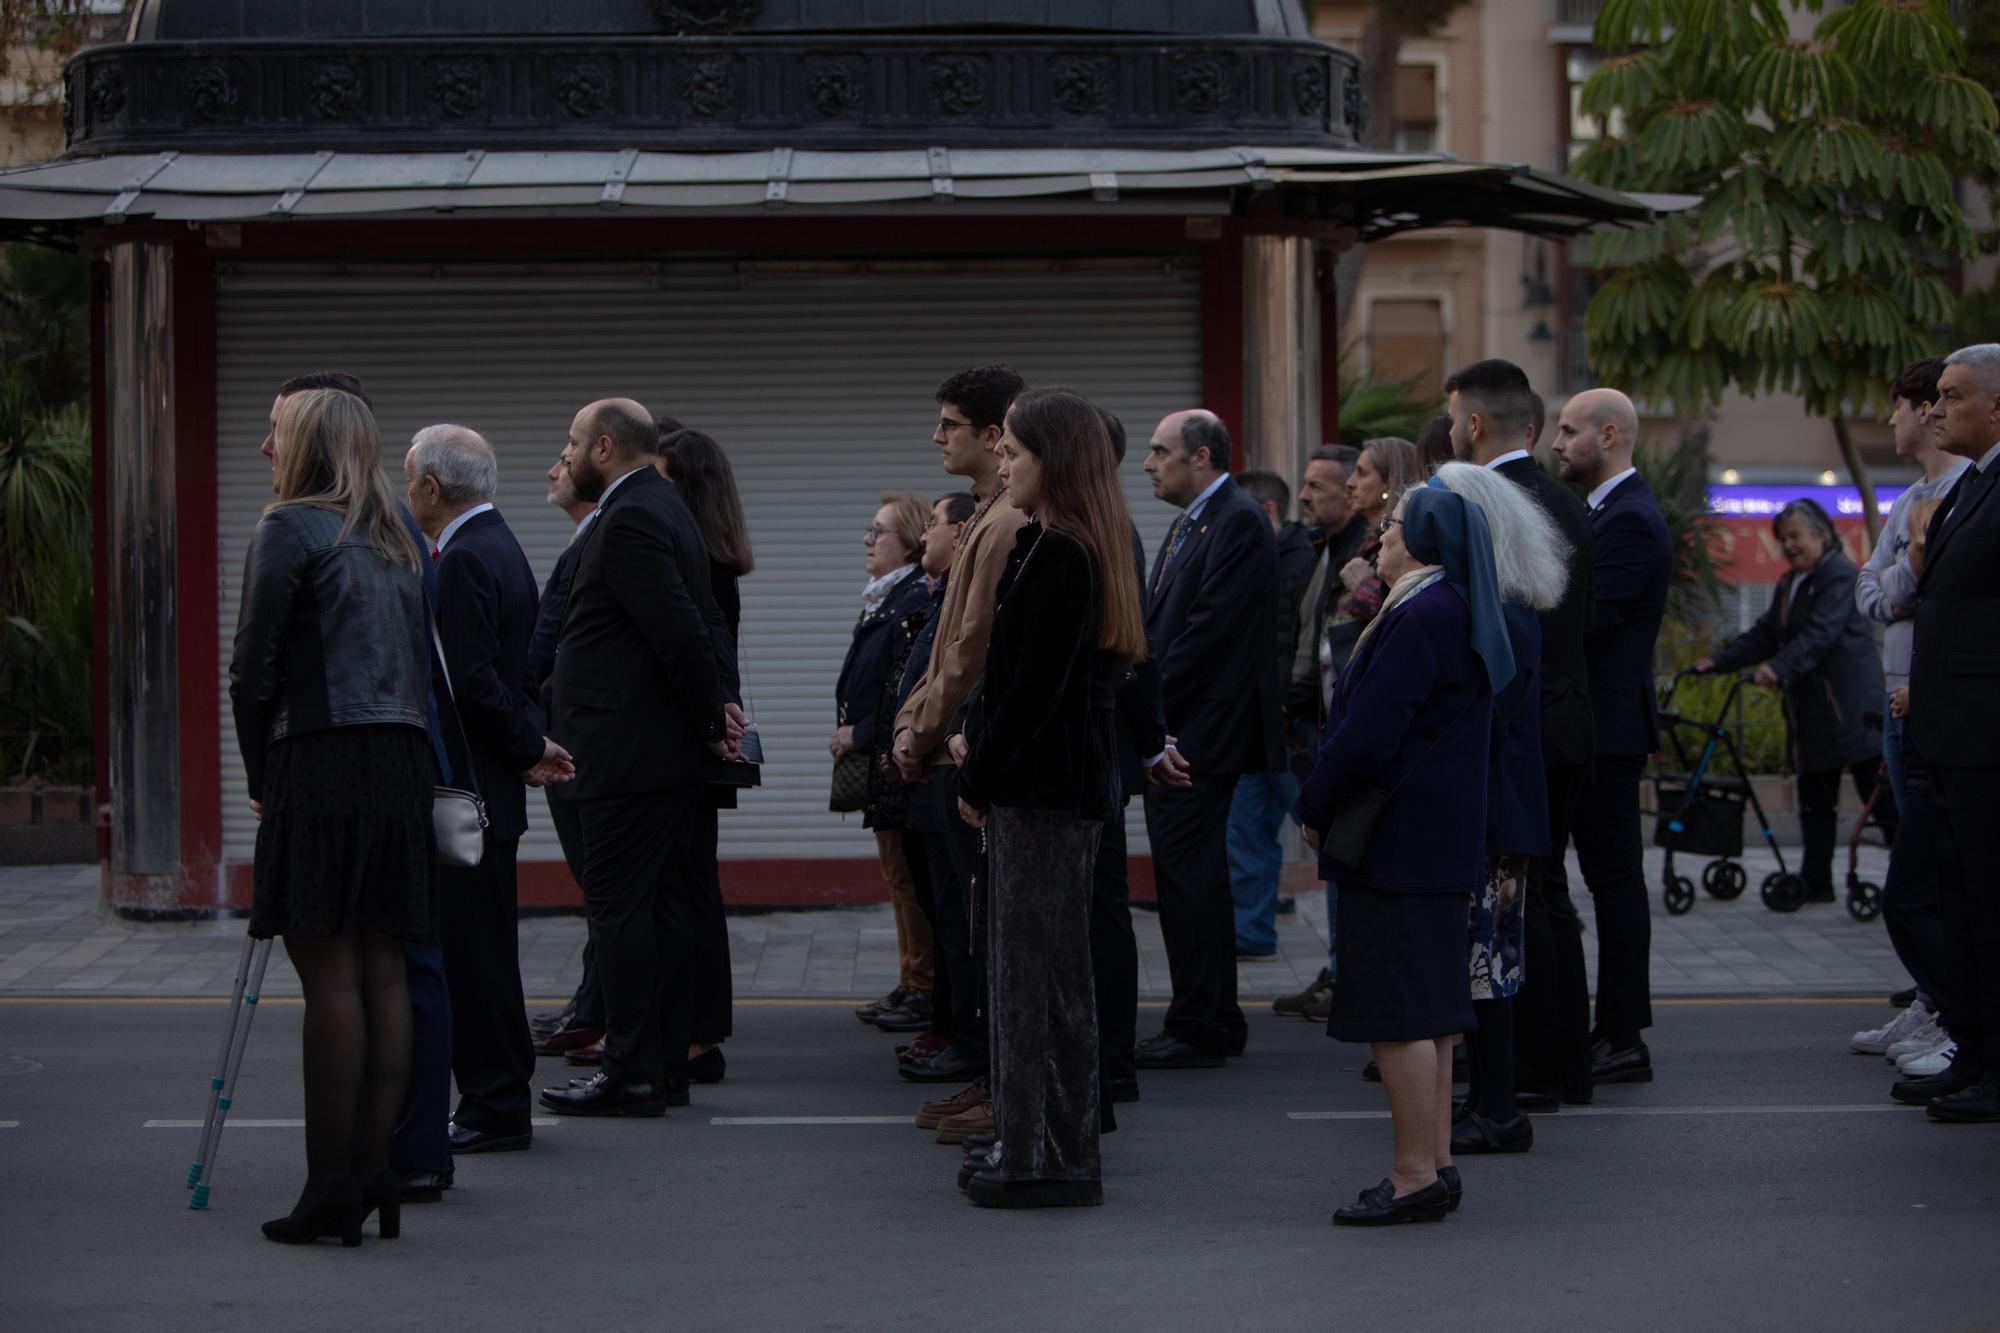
(1707, 823)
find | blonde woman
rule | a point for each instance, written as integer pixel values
(327, 681)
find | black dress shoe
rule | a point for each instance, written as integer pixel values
(988, 1190)
(1538, 1103)
(1634, 1064)
(1239, 1041)
(1122, 1089)
(1381, 1207)
(425, 1186)
(1371, 1072)
(708, 1067)
(674, 1092)
(1904, 998)
(1479, 1134)
(541, 1025)
(949, 1065)
(1167, 1052)
(600, 1096)
(465, 1140)
(980, 1143)
(1978, 1104)
(1452, 1183)
(1957, 1077)
(974, 1163)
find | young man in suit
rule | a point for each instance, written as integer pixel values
(581, 1022)
(1212, 624)
(485, 615)
(638, 697)
(1631, 566)
(1954, 727)
(1496, 420)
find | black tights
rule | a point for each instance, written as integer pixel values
(1489, 1060)
(357, 1050)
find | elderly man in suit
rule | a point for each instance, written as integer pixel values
(1496, 419)
(1955, 728)
(485, 615)
(1212, 623)
(1631, 565)
(638, 697)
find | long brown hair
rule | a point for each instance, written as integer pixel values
(1080, 498)
(329, 455)
(697, 464)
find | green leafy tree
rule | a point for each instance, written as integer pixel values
(1824, 165)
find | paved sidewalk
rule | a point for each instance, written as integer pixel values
(55, 939)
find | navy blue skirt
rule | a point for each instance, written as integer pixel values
(1402, 972)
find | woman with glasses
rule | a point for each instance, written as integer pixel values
(895, 595)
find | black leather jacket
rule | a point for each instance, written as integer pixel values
(330, 634)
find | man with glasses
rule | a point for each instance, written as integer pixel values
(973, 410)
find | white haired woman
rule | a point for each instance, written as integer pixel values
(1530, 562)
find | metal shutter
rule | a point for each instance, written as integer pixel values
(819, 387)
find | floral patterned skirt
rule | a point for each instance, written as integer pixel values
(1497, 934)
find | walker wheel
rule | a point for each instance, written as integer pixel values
(1724, 880)
(1678, 895)
(1864, 900)
(1783, 892)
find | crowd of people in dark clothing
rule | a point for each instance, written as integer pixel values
(1443, 673)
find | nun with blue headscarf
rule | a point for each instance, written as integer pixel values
(1396, 805)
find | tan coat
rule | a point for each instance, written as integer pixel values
(965, 622)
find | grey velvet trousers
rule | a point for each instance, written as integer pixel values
(1043, 1001)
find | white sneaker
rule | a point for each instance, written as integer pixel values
(1877, 1041)
(1919, 1042)
(1923, 1066)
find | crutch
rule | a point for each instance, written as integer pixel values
(228, 1061)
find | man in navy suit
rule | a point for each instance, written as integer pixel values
(1211, 624)
(485, 615)
(1632, 563)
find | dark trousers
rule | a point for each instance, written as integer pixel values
(1819, 819)
(1114, 952)
(1552, 1008)
(956, 880)
(1611, 850)
(1045, 1061)
(588, 1000)
(918, 851)
(421, 1141)
(713, 997)
(1189, 829)
(1910, 904)
(638, 891)
(1969, 887)
(492, 1056)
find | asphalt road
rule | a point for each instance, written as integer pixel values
(1762, 1182)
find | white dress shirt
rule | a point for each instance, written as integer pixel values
(1506, 458)
(1598, 494)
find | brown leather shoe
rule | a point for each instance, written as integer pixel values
(592, 1054)
(958, 1128)
(566, 1039)
(932, 1114)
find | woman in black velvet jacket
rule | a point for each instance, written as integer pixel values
(1037, 771)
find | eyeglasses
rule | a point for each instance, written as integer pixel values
(1386, 524)
(946, 425)
(873, 531)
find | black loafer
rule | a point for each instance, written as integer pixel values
(425, 1186)
(1167, 1052)
(1122, 1089)
(1976, 1105)
(1452, 1184)
(1381, 1207)
(988, 1190)
(465, 1141)
(1634, 1064)
(1479, 1134)
(1538, 1103)
(1923, 1091)
(601, 1097)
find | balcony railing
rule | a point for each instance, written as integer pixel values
(1577, 13)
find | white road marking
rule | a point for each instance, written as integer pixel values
(811, 1120)
(1577, 1111)
(10, 1124)
(234, 1123)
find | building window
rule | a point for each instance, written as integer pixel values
(1406, 342)
(1578, 130)
(1416, 108)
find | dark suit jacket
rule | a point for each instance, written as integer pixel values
(486, 616)
(1142, 727)
(636, 691)
(1211, 624)
(1567, 725)
(1630, 569)
(549, 618)
(1517, 790)
(1955, 665)
(1411, 716)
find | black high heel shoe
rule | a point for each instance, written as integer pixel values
(334, 1211)
(708, 1067)
(384, 1194)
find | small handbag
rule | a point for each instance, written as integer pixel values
(747, 769)
(458, 817)
(850, 783)
(1347, 835)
